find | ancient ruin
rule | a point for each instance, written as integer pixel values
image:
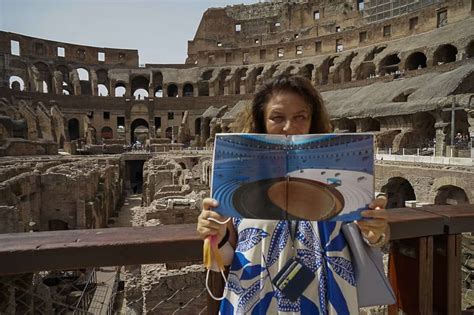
(91, 139)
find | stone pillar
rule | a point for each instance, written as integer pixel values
(94, 82)
(470, 120)
(440, 137)
(112, 87)
(127, 130)
(128, 89)
(243, 88)
(81, 222)
(180, 90)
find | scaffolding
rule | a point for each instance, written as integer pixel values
(377, 10)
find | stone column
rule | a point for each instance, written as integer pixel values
(440, 137)
(470, 120)
(94, 82)
(112, 87)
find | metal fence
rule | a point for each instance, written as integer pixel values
(377, 10)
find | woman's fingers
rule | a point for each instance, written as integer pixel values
(379, 202)
(209, 203)
(210, 222)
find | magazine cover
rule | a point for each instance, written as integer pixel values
(301, 177)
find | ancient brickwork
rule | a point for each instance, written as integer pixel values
(57, 194)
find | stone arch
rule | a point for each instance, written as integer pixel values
(172, 90)
(44, 122)
(107, 133)
(343, 72)
(140, 82)
(345, 125)
(203, 83)
(470, 49)
(252, 79)
(29, 116)
(197, 126)
(102, 77)
(188, 90)
(44, 76)
(73, 129)
(451, 195)
(140, 94)
(139, 122)
(398, 190)
(389, 64)
(307, 71)
(120, 89)
(102, 90)
(84, 81)
(158, 92)
(444, 54)
(16, 83)
(366, 70)
(157, 80)
(239, 77)
(83, 74)
(65, 72)
(450, 182)
(222, 81)
(322, 76)
(416, 60)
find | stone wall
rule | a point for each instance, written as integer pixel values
(49, 194)
(173, 189)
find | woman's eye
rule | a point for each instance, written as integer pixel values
(301, 117)
(277, 119)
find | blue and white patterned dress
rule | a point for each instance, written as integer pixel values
(264, 247)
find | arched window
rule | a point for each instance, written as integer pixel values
(16, 83)
(102, 90)
(417, 60)
(83, 74)
(140, 94)
(444, 54)
(188, 90)
(172, 90)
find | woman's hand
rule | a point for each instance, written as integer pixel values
(376, 223)
(206, 227)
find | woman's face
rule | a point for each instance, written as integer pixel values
(287, 113)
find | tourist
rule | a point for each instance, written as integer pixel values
(289, 105)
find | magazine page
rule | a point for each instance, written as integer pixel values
(244, 167)
(304, 177)
(330, 176)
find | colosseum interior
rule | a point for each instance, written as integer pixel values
(89, 138)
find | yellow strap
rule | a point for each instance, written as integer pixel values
(210, 251)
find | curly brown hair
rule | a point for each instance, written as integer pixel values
(252, 119)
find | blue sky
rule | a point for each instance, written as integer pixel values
(159, 29)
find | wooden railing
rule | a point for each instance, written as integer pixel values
(425, 261)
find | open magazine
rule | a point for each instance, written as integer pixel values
(301, 177)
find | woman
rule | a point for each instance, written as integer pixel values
(289, 105)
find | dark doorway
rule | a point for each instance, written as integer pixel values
(139, 122)
(398, 191)
(73, 128)
(135, 174)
